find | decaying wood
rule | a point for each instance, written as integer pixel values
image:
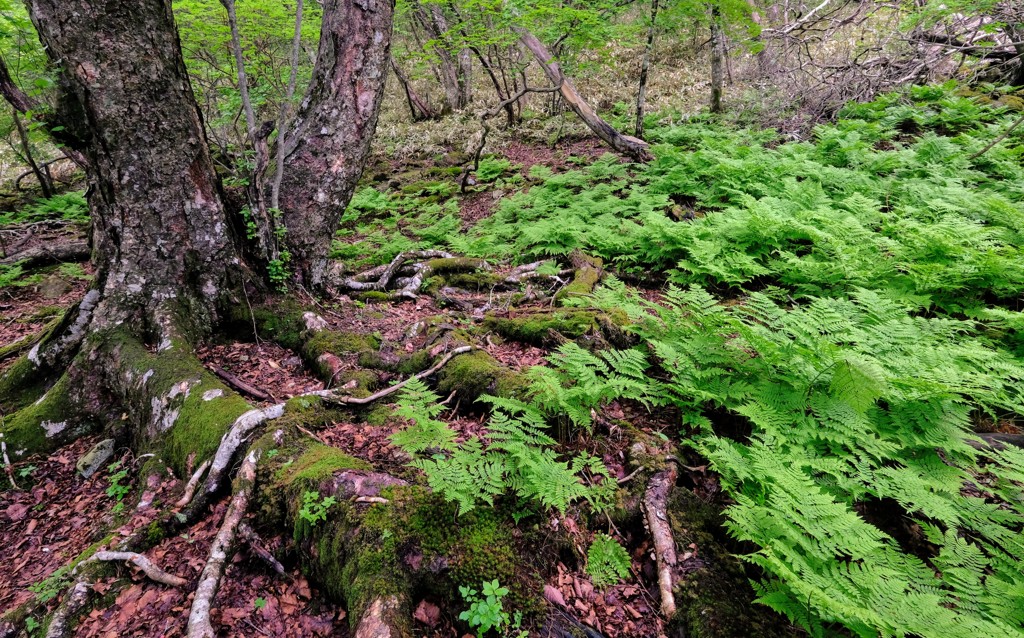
(151, 571)
(330, 396)
(256, 545)
(48, 254)
(193, 483)
(199, 625)
(75, 599)
(626, 144)
(655, 507)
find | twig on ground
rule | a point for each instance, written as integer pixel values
(240, 385)
(199, 625)
(193, 483)
(151, 571)
(655, 505)
(330, 396)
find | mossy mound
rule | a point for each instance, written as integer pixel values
(539, 328)
(713, 597)
(474, 373)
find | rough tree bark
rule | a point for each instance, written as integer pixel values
(626, 144)
(169, 263)
(641, 93)
(717, 46)
(330, 138)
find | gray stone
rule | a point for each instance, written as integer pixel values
(95, 458)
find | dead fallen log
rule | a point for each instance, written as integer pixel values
(48, 254)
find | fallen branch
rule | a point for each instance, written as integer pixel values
(193, 483)
(199, 625)
(1002, 137)
(240, 385)
(255, 543)
(655, 506)
(153, 572)
(330, 396)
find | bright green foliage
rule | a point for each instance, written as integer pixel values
(581, 381)
(514, 455)
(314, 507)
(863, 205)
(69, 206)
(487, 610)
(607, 561)
(116, 489)
(851, 402)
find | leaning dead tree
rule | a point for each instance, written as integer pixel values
(625, 144)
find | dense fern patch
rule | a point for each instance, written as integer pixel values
(874, 280)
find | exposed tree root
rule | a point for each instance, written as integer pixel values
(199, 625)
(385, 274)
(255, 543)
(74, 600)
(193, 483)
(330, 396)
(229, 446)
(655, 507)
(153, 572)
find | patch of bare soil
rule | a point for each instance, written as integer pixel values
(264, 366)
(27, 309)
(556, 158)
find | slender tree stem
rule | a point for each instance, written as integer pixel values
(286, 107)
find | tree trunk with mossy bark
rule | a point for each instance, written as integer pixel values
(329, 141)
(170, 269)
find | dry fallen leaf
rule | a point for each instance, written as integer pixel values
(427, 613)
(554, 596)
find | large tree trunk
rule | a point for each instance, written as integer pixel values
(626, 144)
(169, 266)
(330, 139)
(161, 235)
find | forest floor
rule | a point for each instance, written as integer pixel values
(814, 336)
(253, 600)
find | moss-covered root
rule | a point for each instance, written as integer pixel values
(42, 427)
(475, 373)
(353, 561)
(713, 594)
(589, 271)
(546, 328)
